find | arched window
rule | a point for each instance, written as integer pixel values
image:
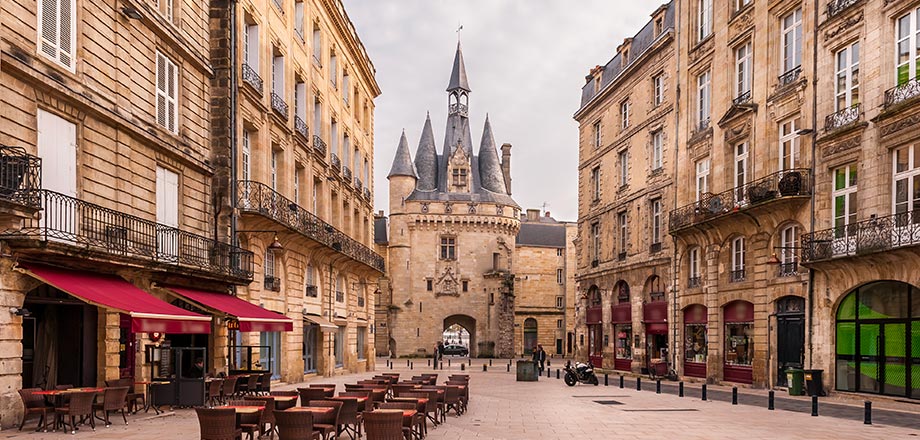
(622, 290)
(655, 288)
(693, 267)
(272, 282)
(530, 335)
(594, 296)
(310, 288)
(340, 289)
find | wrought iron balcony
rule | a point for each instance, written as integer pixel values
(358, 184)
(367, 194)
(902, 93)
(742, 99)
(693, 282)
(301, 127)
(319, 145)
(703, 125)
(311, 291)
(655, 247)
(251, 77)
(790, 77)
(736, 276)
(865, 237)
(20, 175)
(789, 269)
(272, 283)
(360, 301)
(259, 198)
(336, 163)
(279, 106)
(339, 296)
(70, 221)
(842, 118)
(795, 182)
(346, 173)
(621, 256)
(835, 7)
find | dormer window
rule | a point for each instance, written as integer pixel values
(459, 177)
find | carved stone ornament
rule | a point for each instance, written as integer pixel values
(843, 26)
(447, 283)
(448, 208)
(500, 210)
(472, 208)
(740, 24)
(425, 207)
(899, 125)
(738, 131)
(842, 145)
(701, 50)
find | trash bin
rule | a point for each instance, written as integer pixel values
(796, 380)
(814, 384)
(527, 371)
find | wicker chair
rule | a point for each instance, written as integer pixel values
(251, 423)
(452, 399)
(252, 384)
(350, 418)
(265, 384)
(79, 408)
(308, 394)
(218, 424)
(328, 425)
(267, 424)
(134, 399)
(326, 386)
(435, 403)
(214, 389)
(363, 406)
(229, 389)
(285, 405)
(34, 405)
(423, 406)
(415, 427)
(114, 399)
(383, 425)
(464, 392)
(295, 425)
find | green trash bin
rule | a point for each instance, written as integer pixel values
(796, 379)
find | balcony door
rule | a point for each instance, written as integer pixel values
(167, 215)
(57, 147)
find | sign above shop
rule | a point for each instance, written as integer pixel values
(233, 324)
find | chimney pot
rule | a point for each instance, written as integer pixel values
(547, 214)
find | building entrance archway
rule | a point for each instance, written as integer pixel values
(462, 329)
(530, 335)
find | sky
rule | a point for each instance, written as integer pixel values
(526, 61)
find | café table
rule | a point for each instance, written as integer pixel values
(361, 401)
(316, 410)
(281, 402)
(150, 392)
(57, 397)
(408, 416)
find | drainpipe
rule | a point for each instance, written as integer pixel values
(234, 92)
(814, 141)
(674, 290)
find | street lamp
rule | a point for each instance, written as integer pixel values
(276, 246)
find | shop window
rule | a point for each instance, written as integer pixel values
(623, 334)
(339, 347)
(360, 344)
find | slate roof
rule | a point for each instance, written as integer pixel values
(541, 234)
(380, 230)
(402, 163)
(458, 78)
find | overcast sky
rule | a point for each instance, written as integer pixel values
(526, 61)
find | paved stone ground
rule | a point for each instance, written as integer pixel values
(501, 408)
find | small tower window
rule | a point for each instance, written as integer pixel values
(459, 176)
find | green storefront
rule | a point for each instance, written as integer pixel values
(878, 340)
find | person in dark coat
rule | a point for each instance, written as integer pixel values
(539, 356)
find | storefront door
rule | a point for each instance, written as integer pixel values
(310, 332)
(595, 344)
(790, 336)
(530, 335)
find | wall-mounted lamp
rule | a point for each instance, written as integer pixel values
(276, 245)
(20, 311)
(131, 12)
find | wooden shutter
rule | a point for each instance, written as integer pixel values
(56, 30)
(167, 93)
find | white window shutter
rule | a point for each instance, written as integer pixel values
(167, 93)
(56, 30)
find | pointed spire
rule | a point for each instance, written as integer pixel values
(426, 159)
(490, 169)
(458, 74)
(402, 163)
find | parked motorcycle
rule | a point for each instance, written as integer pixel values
(580, 373)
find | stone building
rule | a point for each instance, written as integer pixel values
(296, 151)
(450, 243)
(628, 124)
(106, 193)
(543, 289)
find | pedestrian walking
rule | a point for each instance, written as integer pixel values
(539, 356)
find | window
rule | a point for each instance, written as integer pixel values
(465, 285)
(907, 64)
(559, 325)
(317, 46)
(737, 273)
(166, 8)
(298, 18)
(314, 197)
(245, 156)
(340, 289)
(740, 4)
(792, 41)
(704, 19)
(655, 227)
(788, 144)
(703, 99)
(300, 100)
(595, 241)
(659, 26)
(906, 182)
(624, 167)
(338, 345)
(789, 237)
(844, 209)
(360, 345)
(597, 134)
(309, 347)
(429, 285)
(658, 87)
(274, 170)
(743, 70)
(269, 269)
(278, 75)
(251, 47)
(560, 276)
(741, 174)
(559, 252)
(694, 260)
(346, 150)
(459, 176)
(297, 171)
(57, 24)
(334, 137)
(346, 80)
(496, 261)
(560, 302)
(846, 89)
(448, 248)
(656, 149)
(273, 341)
(596, 182)
(167, 197)
(317, 117)
(702, 178)
(624, 114)
(333, 70)
(310, 282)
(624, 231)
(167, 77)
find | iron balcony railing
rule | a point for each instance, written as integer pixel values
(346, 173)
(842, 118)
(788, 183)
(743, 98)
(272, 283)
(339, 296)
(736, 276)
(319, 145)
(251, 77)
(72, 221)
(311, 291)
(902, 93)
(790, 76)
(336, 163)
(360, 301)
(358, 184)
(693, 282)
(20, 175)
(788, 269)
(703, 125)
(261, 199)
(301, 127)
(367, 194)
(835, 7)
(865, 237)
(279, 106)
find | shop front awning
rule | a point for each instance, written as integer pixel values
(323, 323)
(148, 313)
(251, 317)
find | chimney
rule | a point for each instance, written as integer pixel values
(547, 214)
(533, 215)
(506, 166)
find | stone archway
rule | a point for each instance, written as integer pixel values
(468, 323)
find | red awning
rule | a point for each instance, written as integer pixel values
(252, 318)
(148, 313)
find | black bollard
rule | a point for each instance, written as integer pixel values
(557, 373)
(391, 365)
(867, 417)
(621, 381)
(814, 406)
(490, 362)
(605, 379)
(704, 391)
(469, 361)
(429, 362)
(448, 363)
(734, 395)
(411, 365)
(484, 367)
(638, 384)
(771, 401)
(657, 386)
(407, 362)
(462, 367)
(680, 389)
(509, 368)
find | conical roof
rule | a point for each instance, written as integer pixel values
(402, 163)
(426, 159)
(458, 73)
(490, 169)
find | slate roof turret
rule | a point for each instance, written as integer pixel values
(426, 159)
(402, 163)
